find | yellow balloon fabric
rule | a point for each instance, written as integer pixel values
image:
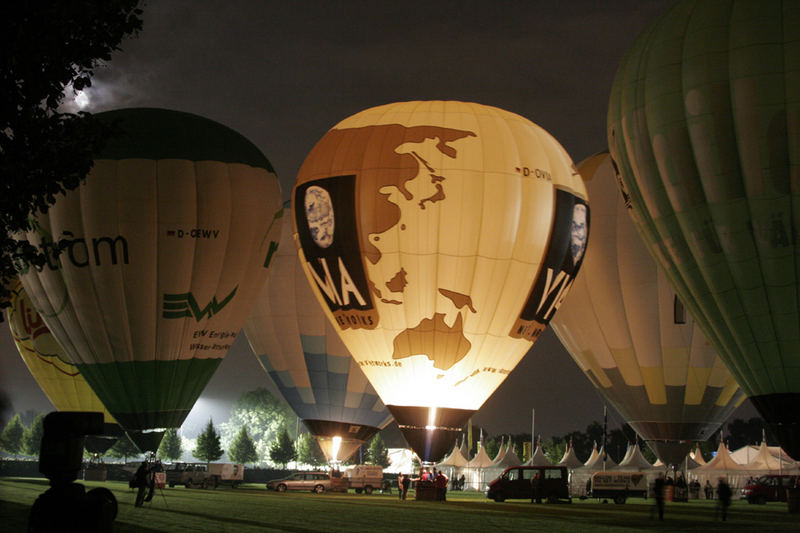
(440, 237)
(627, 330)
(59, 379)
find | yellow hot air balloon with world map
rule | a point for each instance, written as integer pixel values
(440, 237)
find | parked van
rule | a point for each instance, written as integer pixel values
(618, 485)
(517, 482)
(769, 488)
(364, 478)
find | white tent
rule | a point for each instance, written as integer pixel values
(570, 459)
(764, 461)
(538, 458)
(475, 471)
(634, 460)
(596, 465)
(722, 465)
(697, 456)
(747, 454)
(509, 458)
(501, 451)
(453, 465)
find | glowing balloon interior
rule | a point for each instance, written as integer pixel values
(440, 237)
(167, 244)
(628, 331)
(300, 350)
(703, 125)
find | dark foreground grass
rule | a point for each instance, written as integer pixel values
(252, 508)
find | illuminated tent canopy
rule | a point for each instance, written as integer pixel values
(168, 243)
(439, 237)
(300, 350)
(702, 122)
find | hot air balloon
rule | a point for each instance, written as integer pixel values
(165, 247)
(302, 353)
(703, 125)
(439, 237)
(59, 379)
(628, 331)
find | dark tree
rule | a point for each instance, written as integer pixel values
(243, 448)
(124, 448)
(308, 451)
(32, 439)
(740, 432)
(11, 438)
(281, 451)
(47, 49)
(170, 447)
(208, 445)
(378, 453)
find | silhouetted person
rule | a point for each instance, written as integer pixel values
(724, 496)
(141, 482)
(406, 485)
(659, 495)
(536, 488)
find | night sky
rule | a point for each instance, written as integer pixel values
(283, 73)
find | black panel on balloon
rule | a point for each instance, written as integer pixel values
(782, 413)
(430, 431)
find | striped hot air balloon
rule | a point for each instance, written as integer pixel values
(167, 244)
(302, 353)
(628, 331)
(703, 123)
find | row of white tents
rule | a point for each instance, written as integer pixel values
(737, 467)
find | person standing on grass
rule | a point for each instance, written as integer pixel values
(400, 479)
(724, 497)
(406, 485)
(659, 496)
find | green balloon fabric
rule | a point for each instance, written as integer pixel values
(703, 124)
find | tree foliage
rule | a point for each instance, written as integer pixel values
(262, 414)
(208, 444)
(170, 447)
(49, 47)
(11, 438)
(377, 452)
(32, 438)
(124, 448)
(243, 448)
(308, 451)
(281, 451)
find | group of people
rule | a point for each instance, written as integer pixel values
(427, 479)
(724, 494)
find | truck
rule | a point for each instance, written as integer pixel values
(205, 475)
(364, 478)
(619, 486)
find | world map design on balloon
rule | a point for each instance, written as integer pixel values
(319, 213)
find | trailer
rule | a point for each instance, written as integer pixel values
(205, 475)
(619, 486)
(364, 478)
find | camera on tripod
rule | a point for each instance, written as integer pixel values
(66, 506)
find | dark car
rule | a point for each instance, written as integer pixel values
(770, 488)
(517, 482)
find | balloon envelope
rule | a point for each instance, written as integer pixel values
(439, 237)
(628, 331)
(168, 242)
(58, 378)
(703, 125)
(300, 350)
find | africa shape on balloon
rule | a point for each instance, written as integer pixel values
(447, 255)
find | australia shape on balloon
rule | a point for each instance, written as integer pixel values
(166, 245)
(440, 237)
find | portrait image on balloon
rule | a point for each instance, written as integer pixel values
(166, 245)
(439, 237)
(703, 125)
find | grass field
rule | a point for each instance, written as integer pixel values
(252, 508)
